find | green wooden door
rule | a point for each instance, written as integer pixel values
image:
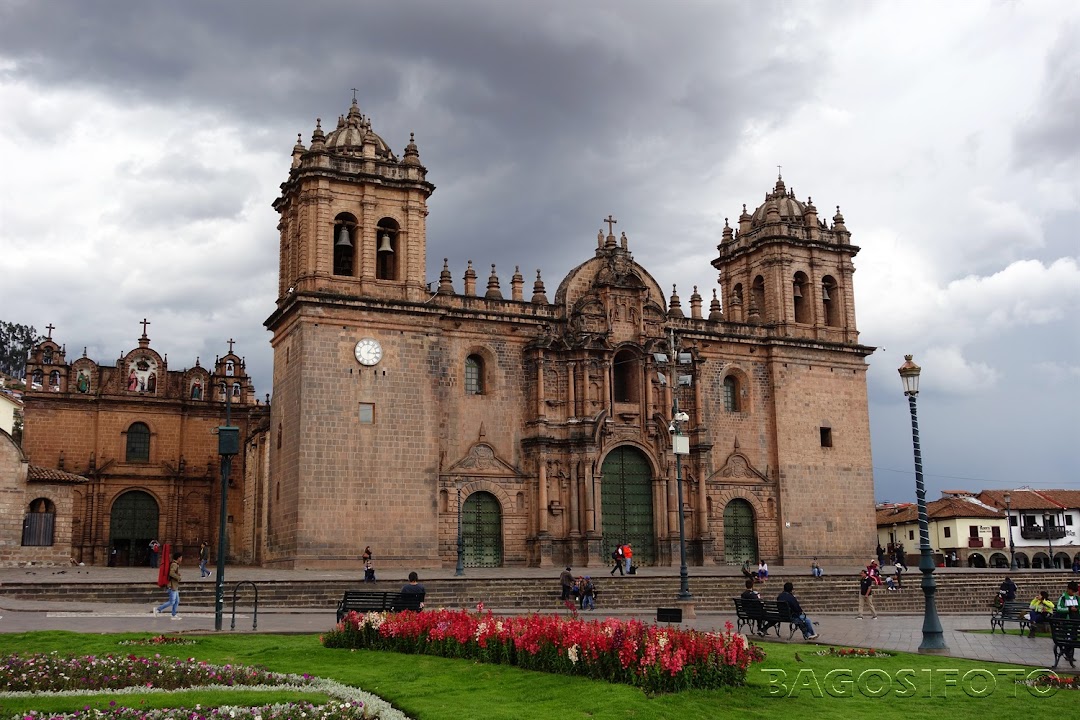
(626, 503)
(740, 537)
(481, 530)
(133, 524)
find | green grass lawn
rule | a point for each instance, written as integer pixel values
(430, 688)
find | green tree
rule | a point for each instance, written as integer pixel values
(15, 343)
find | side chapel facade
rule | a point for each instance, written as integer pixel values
(541, 422)
(140, 439)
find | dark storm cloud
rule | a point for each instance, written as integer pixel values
(1051, 134)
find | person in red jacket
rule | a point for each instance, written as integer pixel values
(628, 554)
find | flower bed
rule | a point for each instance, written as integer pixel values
(159, 640)
(654, 658)
(54, 674)
(855, 652)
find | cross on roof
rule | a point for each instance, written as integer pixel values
(144, 323)
(231, 341)
(50, 327)
(354, 91)
(610, 221)
(778, 173)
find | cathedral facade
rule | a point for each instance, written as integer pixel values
(140, 439)
(539, 428)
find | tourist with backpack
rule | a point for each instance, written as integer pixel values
(617, 558)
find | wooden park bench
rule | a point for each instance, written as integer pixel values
(764, 615)
(370, 601)
(1066, 635)
(1011, 611)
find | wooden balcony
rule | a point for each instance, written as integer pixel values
(1035, 532)
(975, 542)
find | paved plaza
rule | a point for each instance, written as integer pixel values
(901, 632)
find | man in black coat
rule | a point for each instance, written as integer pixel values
(801, 620)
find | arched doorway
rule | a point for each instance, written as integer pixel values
(1022, 561)
(997, 560)
(626, 503)
(740, 536)
(976, 560)
(481, 530)
(133, 524)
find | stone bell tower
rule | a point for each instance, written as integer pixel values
(352, 255)
(353, 215)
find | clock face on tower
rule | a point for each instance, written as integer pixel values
(368, 351)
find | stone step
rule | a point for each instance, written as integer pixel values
(956, 593)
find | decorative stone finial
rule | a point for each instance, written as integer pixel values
(539, 295)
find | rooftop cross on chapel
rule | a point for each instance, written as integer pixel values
(610, 221)
(50, 327)
(144, 323)
(231, 341)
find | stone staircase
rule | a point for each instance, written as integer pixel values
(957, 592)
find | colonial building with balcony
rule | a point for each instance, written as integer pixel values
(1043, 523)
(960, 525)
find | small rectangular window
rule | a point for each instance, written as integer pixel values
(910, 534)
(367, 413)
(948, 532)
(995, 532)
(826, 437)
(1068, 519)
(1014, 521)
(973, 531)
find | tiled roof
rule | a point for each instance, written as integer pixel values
(937, 509)
(36, 473)
(1025, 499)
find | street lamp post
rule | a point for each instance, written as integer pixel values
(460, 570)
(933, 637)
(680, 445)
(1008, 515)
(1049, 544)
(228, 445)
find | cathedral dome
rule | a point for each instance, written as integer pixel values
(784, 202)
(351, 133)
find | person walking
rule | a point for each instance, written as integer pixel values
(628, 555)
(866, 594)
(204, 557)
(588, 594)
(155, 553)
(617, 558)
(566, 581)
(173, 602)
(801, 620)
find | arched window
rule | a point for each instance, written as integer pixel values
(731, 394)
(54, 379)
(38, 378)
(830, 301)
(474, 375)
(625, 375)
(236, 389)
(138, 443)
(344, 240)
(799, 287)
(39, 523)
(386, 250)
(230, 367)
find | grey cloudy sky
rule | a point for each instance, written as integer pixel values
(142, 144)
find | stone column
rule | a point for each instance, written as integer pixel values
(542, 498)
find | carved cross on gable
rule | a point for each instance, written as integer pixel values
(144, 323)
(610, 221)
(50, 327)
(231, 341)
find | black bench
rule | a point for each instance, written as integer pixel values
(1011, 611)
(1066, 635)
(368, 601)
(764, 615)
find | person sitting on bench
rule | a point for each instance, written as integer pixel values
(1041, 610)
